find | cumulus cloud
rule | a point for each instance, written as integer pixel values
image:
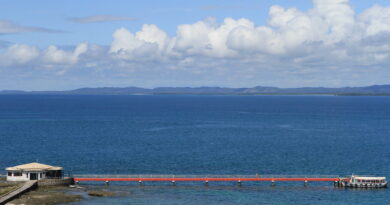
(8, 27)
(207, 37)
(375, 20)
(101, 18)
(331, 25)
(148, 43)
(53, 55)
(18, 54)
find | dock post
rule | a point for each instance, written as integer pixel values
(206, 183)
(273, 183)
(140, 183)
(239, 183)
(305, 183)
(173, 180)
(337, 183)
(107, 183)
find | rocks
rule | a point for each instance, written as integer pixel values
(46, 196)
(100, 193)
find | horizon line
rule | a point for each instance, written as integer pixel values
(191, 87)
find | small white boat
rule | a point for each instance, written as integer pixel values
(364, 182)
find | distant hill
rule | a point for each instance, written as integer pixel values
(258, 90)
(110, 91)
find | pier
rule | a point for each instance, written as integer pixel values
(205, 178)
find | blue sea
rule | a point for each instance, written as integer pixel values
(292, 135)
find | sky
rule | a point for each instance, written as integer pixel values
(61, 45)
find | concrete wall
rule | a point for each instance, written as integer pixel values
(56, 182)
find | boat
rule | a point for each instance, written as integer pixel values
(364, 182)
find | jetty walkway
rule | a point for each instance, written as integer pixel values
(206, 178)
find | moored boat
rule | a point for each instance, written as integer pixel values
(364, 182)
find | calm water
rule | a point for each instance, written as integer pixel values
(204, 135)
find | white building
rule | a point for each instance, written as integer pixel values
(33, 171)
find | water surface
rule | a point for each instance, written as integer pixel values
(320, 135)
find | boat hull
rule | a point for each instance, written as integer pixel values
(364, 185)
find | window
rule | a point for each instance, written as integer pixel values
(9, 174)
(17, 174)
(40, 175)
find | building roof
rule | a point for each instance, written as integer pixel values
(33, 167)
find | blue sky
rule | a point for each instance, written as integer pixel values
(57, 45)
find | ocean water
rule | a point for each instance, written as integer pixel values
(303, 135)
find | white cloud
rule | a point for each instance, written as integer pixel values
(152, 34)
(101, 18)
(53, 55)
(337, 16)
(146, 44)
(208, 38)
(289, 32)
(18, 54)
(375, 20)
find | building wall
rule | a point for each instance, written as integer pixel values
(25, 176)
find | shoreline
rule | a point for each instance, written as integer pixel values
(54, 195)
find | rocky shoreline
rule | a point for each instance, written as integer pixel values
(47, 196)
(53, 195)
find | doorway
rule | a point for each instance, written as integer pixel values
(33, 176)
